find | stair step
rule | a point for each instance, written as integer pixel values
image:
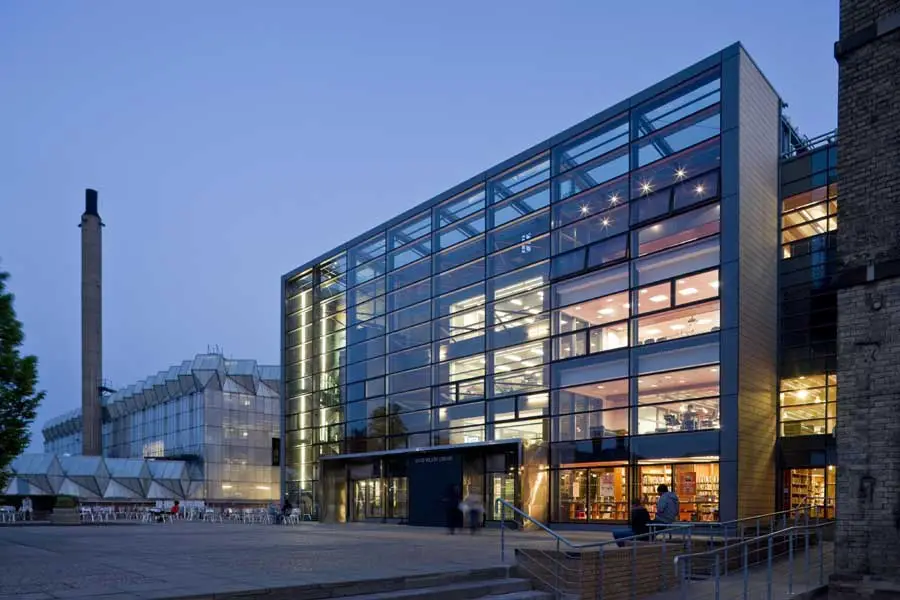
(469, 590)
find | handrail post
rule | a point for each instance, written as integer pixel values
(502, 533)
(601, 573)
(821, 558)
(558, 561)
(717, 576)
(684, 579)
(769, 571)
(791, 563)
(662, 569)
(634, 568)
(746, 572)
(806, 558)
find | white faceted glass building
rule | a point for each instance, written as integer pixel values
(207, 429)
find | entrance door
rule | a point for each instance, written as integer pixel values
(430, 477)
(367, 499)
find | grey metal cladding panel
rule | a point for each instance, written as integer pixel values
(759, 247)
(648, 93)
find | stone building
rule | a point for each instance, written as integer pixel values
(868, 433)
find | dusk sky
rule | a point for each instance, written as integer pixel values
(232, 141)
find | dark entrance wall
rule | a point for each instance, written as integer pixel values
(430, 475)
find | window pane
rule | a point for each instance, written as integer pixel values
(407, 338)
(410, 254)
(411, 230)
(368, 250)
(697, 287)
(367, 272)
(608, 309)
(462, 206)
(590, 230)
(521, 205)
(459, 415)
(520, 178)
(528, 251)
(591, 175)
(585, 426)
(570, 345)
(459, 254)
(527, 355)
(681, 322)
(568, 264)
(460, 277)
(696, 190)
(655, 297)
(608, 251)
(409, 359)
(519, 281)
(409, 274)
(590, 203)
(333, 266)
(459, 300)
(522, 381)
(671, 263)
(679, 416)
(518, 232)
(460, 346)
(410, 401)
(674, 386)
(409, 295)
(365, 370)
(522, 305)
(366, 331)
(460, 324)
(590, 145)
(676, 170)
(589, 369)
(608, 337)
(365, 292)
(413, 315)
(679, 230)
(408, 380)
(651, 206)
(591, 286)
(692, 130)
(463, 230)
(365, 350)
(366, 310)
(521, 330)
(671, 106)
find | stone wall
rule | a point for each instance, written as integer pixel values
(868, 426)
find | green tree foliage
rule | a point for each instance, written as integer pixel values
(18, 379)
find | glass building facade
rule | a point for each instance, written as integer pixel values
(222, 417)
(566, 330)
(807, 409)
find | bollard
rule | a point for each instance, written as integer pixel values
(769, 572)
(717, 575)
(746, 573)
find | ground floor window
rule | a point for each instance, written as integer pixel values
(589, 493)
(813, 487)
(695, 484)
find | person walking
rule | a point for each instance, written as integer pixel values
(27, 509)
(474, 510)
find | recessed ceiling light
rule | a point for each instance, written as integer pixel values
(714, 284)
(659, 298)
(584, 209)
(606, 311)
(676, 327)
(688, 291)
(646, 187)
(699, 189)
(614, 199)
(680, 173)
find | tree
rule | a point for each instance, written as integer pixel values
(18, 379)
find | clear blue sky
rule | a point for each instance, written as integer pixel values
(232, 141)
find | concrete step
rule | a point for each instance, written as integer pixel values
(466, 590)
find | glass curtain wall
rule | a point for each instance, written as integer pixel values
(507, 311)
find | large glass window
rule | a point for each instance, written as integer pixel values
(591, 144)
(519, 232)
(589, 230)
(520, 178)
(599, 171)
(459, 207)
(694, 256)
(672, 106)
(459, 254)
(518, 206)
(676, 138)
(808, 405)
(815, 488)
(807, 215)
(410, 230)
(591, 493)
(460, 277)
(680, 322)
(367, 251)
(530, 250)
(679, 230)
(591, 286)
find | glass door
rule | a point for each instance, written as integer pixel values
(501, 485)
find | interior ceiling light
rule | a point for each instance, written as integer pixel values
(614, 199)
(659, 298)
(646, 187)
(584, 209)
(699, 189)
(680, 173)
(688, 291)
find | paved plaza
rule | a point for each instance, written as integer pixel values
(188, 558)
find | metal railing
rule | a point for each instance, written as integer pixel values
(581, 570)
(637, 566)
(787, 561)
(807, 144)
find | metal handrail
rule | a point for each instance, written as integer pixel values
(778, 533)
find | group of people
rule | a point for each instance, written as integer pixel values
(460, 512)
(668, 508)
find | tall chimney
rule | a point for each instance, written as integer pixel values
(91, 325)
